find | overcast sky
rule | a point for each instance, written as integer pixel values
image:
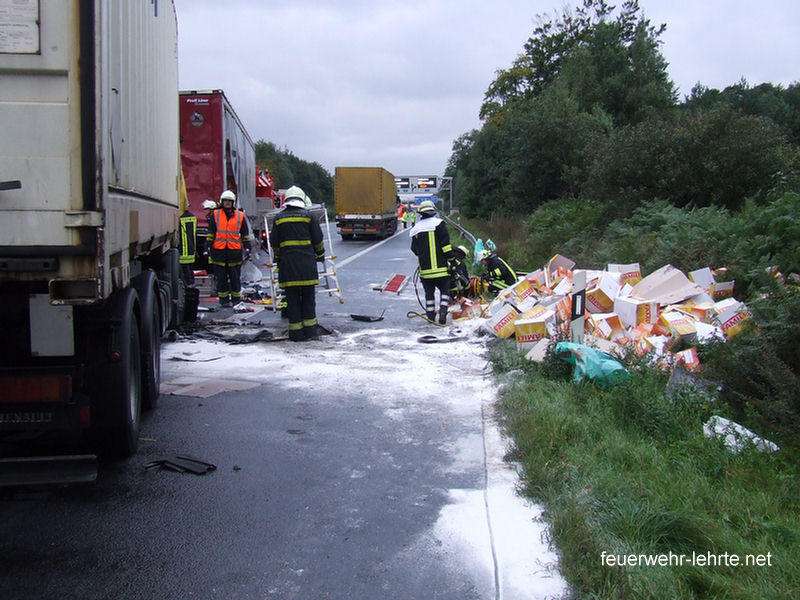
(393, 84)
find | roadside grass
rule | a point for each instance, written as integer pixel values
(627, 470)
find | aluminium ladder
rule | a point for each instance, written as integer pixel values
(328, 277)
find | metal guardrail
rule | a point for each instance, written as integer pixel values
(472, 239)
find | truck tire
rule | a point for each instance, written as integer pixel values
(172, 275)
(116, 378)
(127, 394)
(146, 286)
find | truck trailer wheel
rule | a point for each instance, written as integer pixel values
(146, 286)
(125, 390)
(172, 275)
(116, 382)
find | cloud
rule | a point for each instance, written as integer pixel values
(393, 84)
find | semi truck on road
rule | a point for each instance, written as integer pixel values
(366, 202)
(89, 205)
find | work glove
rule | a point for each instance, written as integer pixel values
(321, 258)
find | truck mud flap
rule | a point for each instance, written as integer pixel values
(48, 470)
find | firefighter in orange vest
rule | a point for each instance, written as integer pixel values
(228, 234)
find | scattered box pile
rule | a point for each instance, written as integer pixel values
(666, 313)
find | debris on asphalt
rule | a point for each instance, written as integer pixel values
(182, 463)
(367, 318)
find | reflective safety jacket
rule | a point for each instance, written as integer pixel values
(498, 273)
(188, 243)
(459, 277)
(296, 240)
(430, 241)
(226, 236)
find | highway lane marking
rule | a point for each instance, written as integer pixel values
(340, 265)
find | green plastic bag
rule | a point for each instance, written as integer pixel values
(592, 364)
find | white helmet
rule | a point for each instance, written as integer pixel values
(295, 196)
(227, 195)
(210, 204)
(485, 253)
(426, 206)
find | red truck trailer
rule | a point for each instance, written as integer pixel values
(217, 154)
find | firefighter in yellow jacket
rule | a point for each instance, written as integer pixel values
(430, 241)
(296, 240)
(228, 234)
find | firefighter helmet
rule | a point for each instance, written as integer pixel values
(463, 250)
(483, 254)
(295, 196)
(210, 204)
(426, 207)
(227, 195)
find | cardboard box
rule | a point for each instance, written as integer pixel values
(706, 332)
(527, 304)
(600, 297)
(635, 311)
(732, 316)
(704, 278)
(560, 262)
(689, 359)
(501, 323)
(529, 331)
(630, 274)
(537, 279)
(466, 309)
(680, 325)
(536, 311)
(563, 287)
(607, 326)
(640, 331)
(667, 285)
(562, 306)
(722, 290)
(657, 344)
(521, 290)
(702, 311)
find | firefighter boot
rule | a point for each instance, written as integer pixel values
(442, 316)
(431, 314)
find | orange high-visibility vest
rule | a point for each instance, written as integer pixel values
(228, 236)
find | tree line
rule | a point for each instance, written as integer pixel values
(588, 111)
(288, 170)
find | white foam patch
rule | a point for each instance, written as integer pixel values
(390, 369)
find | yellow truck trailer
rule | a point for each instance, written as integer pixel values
(366, 202)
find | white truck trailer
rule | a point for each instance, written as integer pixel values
(89, 176)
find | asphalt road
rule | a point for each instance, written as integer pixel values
(359, 466)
